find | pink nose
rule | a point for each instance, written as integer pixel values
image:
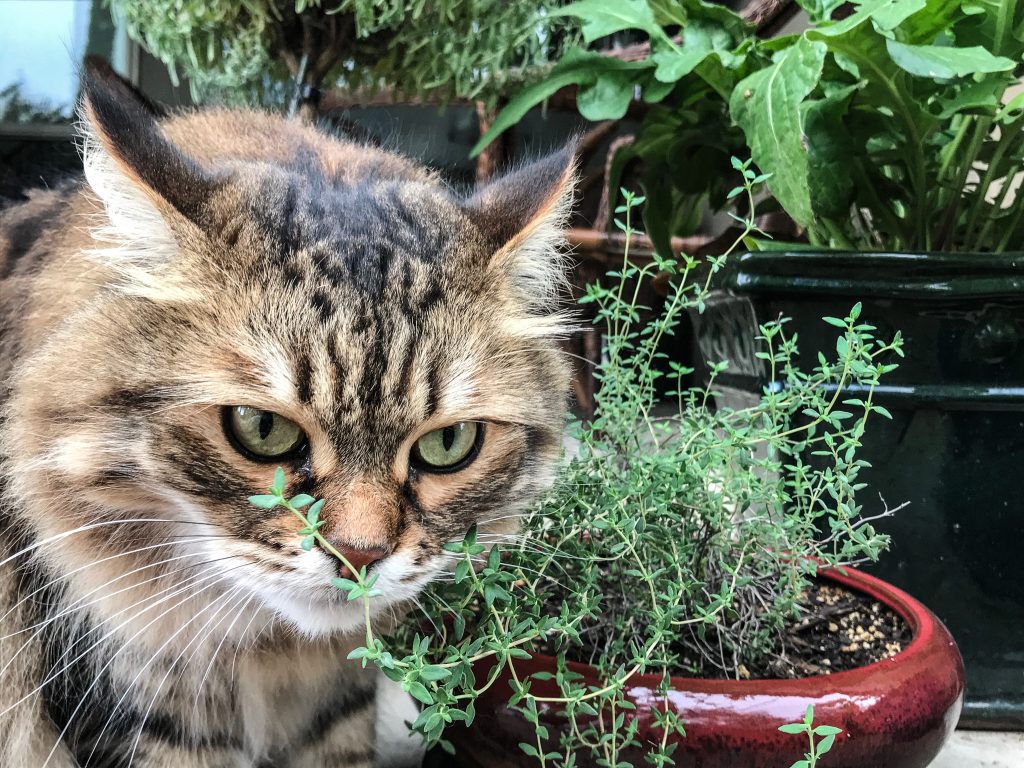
(359, 558)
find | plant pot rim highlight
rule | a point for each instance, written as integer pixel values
(894, 274)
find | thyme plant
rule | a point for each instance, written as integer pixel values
(680, 538)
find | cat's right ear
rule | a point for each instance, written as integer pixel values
(524, 213)
(144, 181)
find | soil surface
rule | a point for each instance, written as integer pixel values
(841, 630)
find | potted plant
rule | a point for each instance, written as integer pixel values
(684, 552)
(894, 140)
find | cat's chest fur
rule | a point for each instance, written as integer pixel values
(289, 703)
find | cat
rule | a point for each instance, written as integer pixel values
(226, 292)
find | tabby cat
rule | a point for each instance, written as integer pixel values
(228, 292)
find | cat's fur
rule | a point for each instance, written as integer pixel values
(149, 615)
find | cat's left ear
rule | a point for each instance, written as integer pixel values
(136, 171)
(524, 214)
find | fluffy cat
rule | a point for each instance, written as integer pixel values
(229, 292)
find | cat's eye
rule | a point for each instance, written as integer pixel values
(448, 449)
(263, 435)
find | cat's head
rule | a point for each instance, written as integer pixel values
(277, 297)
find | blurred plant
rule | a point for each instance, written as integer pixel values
(888, 124)
(17, 108)
(244, 50)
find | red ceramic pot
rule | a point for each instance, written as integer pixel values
(895, 713)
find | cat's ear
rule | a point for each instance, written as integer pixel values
(144, 181)
(524, 214)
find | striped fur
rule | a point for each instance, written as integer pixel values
(149, 615)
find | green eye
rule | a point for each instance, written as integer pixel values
(262, 434)
(448, 449)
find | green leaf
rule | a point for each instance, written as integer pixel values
(793, 728)
(830, 150)
(944, 63)
(608, 97)
(300, 501)
(264, 501)
(827, 730)
(700, 40)
(767, 106)
(885, 15)
(313, 515)
(433, 672)
(529, 749)
(575, 68)
(602, 18)
(279, 482)
(308, 542)
(824, 745)
(419, 692)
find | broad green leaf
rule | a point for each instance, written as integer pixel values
(575, 68)
(793, 728)
(889, 15)
(700, 40)
(300, 501)
(602, 18)
(608, 97)
(767, 106)
(829, 153)
(972, 96)
(885, 14)
(944, 63)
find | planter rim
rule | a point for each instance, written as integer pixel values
(896, 274)
(926, 629)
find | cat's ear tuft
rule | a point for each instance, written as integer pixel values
(129, 163)
(524, 214)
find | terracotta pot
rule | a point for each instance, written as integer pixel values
(896, 713)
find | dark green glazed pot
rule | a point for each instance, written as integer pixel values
(955, 446)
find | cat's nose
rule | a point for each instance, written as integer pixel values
(358, 557)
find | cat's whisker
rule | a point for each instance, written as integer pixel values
(216, 652)
(220, 575)
(41, 626)
(55, 582)
(85, 529)
(220, 600)
(77, 604)
(85, 695)
(225, 601)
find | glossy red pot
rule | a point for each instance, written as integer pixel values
(896, 713)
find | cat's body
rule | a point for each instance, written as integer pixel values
(221, 261)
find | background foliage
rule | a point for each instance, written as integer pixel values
(888, 127)
(242, 50)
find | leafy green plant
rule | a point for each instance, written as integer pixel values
(679, 539)
(233, 50)
(889, 127)
(819, 747)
